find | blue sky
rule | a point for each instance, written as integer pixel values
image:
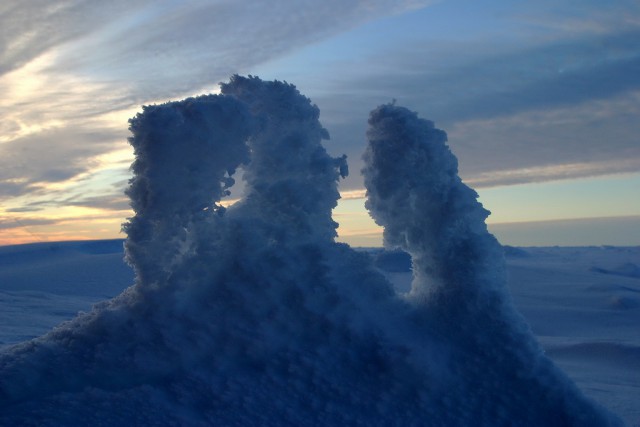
(540, 100)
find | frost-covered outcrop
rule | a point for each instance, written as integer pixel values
(459, 288)
(254, 315)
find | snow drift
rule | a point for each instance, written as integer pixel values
(253, 315)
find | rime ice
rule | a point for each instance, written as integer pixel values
(253, 315)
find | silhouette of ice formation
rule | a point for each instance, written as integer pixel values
(254, 316)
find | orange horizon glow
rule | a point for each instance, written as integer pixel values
(356, 227)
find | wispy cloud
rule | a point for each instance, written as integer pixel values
(548, 103)
(552, 173)
(73, 71)
(587, 139)
(353, 194)
(147, 44)
(8, 223)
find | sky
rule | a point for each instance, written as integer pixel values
(540, 100)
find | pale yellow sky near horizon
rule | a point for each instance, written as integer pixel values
(535, 207)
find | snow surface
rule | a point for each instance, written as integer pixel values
(573, 310)
(253, 315)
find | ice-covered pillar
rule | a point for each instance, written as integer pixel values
(415, 193)
(291, 181)
(459, 288)
(185, 152)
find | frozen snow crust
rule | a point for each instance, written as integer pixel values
(254, 316)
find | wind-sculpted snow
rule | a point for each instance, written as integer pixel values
(254, 315)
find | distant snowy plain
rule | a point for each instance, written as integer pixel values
(582, 303)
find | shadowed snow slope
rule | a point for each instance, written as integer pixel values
(253, 315)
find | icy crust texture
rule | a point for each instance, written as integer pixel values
(254, 316)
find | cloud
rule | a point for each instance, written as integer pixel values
(552, 173)
(538, 108)
(547, 77)
(168, 48)
(571, 17)
(55, 126)
(588, 139)
(23, 209)
(31, 28)
(470, 81)
(8, 223)
(352, 194)
(12, 188)
(115, 202)
(106, 202)
(53, 157)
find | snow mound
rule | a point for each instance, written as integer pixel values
(628, 269)
(618, 354)
(622, 302)
(253, 315)
(513, 252)
(58, 267)
(393, 261)
(102, 247)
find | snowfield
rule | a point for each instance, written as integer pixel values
(586, 320)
